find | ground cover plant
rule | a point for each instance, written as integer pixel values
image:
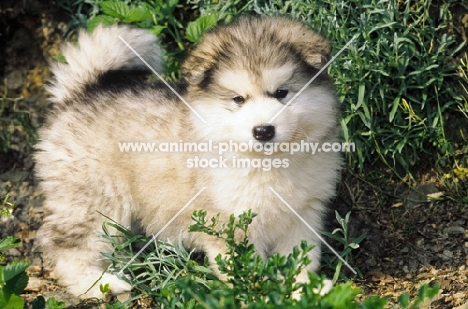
(170, 277)
(13, 277)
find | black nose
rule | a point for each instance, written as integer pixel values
(264, 133)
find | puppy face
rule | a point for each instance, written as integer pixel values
(242, 75)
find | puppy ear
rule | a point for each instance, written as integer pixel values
(317, 60)
(194, 69)
(314, 49)
(201, 59)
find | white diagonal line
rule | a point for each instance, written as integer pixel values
(120, 273)
(162, 79)
(312, 229)
(312, 79)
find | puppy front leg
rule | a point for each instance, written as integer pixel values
(212, 248)
(286, 244)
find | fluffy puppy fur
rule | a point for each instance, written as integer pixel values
(237, 78)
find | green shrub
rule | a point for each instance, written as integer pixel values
(169, 275)
(395, 80)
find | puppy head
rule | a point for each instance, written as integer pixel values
(241, 77)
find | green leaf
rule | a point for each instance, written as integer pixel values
(60, 58)
(338, 217)
(9, 242)
(374, 302)
(427, 292)
(13, 269)
(17, 284)
(137, 14)
(395, 106)
(388, 25)
(337, 230)
(40, 303)
(13, 302)
(341, 296)
(344, 129)
(404, 300)
(104, 288)
(362, 90)
(116, 9)
(195, 29)
(100, 19)
(156, 30)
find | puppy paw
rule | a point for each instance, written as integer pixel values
(327, 285)
(116, 286)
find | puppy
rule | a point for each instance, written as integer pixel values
(234, 96)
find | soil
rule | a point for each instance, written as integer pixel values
(411, 239)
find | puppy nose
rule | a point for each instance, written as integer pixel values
(264, 133)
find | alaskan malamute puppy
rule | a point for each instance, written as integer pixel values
(235, 82)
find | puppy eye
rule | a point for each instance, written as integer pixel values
(281, 93)
(238, 99)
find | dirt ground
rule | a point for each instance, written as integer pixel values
(410, 239)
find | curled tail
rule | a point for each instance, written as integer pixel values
(102, 52)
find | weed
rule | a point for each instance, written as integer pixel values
(6, 207)
(13, 277)
(79, 13)
(341, 235)
(12, 119)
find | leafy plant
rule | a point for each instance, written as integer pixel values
(13, 277)
(6, 208)
(253, 279)
(395, 78)
(341, 235)
(51, 303)
(195, 29)
(224, 10)
(424, 293)
(8, 243)
(13, 281)
(159, 266)
(117, 11)
(79, 12)
(172, 278)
